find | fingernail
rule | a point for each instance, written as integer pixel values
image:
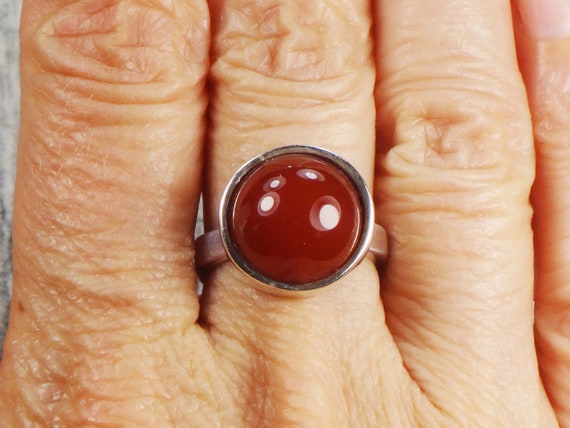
(546, 18)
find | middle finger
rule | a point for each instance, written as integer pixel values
(458, 166)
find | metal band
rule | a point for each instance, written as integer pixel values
(216, 246)
(210, 250)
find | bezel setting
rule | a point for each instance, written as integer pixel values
(353, 177)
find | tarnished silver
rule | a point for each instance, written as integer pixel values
(216, 246)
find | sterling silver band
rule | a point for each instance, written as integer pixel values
(216, 246)
(210, 250)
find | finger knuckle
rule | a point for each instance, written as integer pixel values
(470, 145)
(89, 47)
(295, 41)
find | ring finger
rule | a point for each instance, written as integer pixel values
(285, 73)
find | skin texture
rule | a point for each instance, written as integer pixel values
(131, 109)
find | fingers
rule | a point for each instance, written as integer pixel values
(110, 139)
(288, 73)
(455, 173)
(107, 189)
(295, 72)
(543, 37)
(268, 77)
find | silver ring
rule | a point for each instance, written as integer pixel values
(296, 218)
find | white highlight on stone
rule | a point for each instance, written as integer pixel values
(310, 174)
(267, 203)
(329, 216)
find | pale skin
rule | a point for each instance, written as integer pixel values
(106, 328)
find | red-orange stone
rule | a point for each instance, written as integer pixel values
(296, 219)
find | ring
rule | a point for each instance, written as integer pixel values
(296, 218)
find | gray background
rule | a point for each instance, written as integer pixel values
(9, 106)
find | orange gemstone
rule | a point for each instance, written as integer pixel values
(295, 219)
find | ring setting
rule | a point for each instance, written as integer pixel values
(296, 218)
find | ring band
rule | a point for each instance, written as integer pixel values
(296, 218)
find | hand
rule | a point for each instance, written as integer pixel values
(106, 328)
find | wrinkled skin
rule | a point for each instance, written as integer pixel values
(106, 328)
